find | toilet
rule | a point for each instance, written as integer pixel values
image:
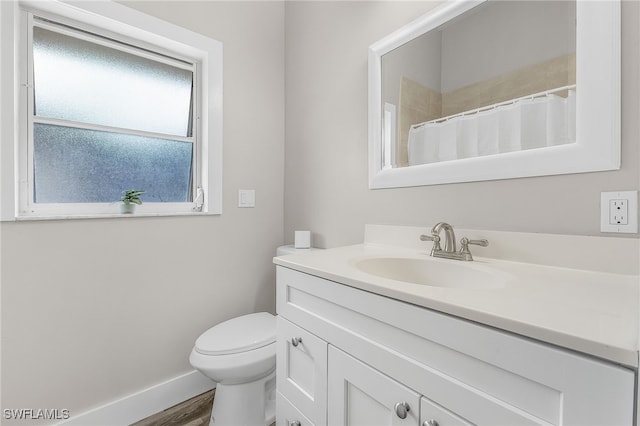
(240, 356)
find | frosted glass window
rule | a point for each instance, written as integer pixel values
(111, 100)
(85, 87)
(82, 81)
(87, 166)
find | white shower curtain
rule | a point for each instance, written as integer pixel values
(524, 124)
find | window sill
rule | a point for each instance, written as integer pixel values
(110, 216)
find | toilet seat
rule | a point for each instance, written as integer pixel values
(237, 335)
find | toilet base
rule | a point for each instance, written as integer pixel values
(245, 404)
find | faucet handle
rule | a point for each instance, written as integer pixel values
(464, 243)
(434, 238)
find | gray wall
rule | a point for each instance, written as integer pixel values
(547, 29)
(419, 60)
(326, 187)
(93, 310)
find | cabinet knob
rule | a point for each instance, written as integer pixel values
(295, 341)
(295, 423)
(401, 409)
(431, 422)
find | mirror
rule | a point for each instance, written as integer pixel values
(482, 90)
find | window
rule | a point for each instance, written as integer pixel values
(102, 112)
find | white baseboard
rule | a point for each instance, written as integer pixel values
(144, 403)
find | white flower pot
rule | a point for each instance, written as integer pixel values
(127, 208)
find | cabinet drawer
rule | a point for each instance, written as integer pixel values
(302, 370)
(288, 415)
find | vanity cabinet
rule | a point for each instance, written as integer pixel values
(364, 359)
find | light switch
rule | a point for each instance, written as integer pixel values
(246, 198)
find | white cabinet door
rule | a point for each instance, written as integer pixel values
(302, 370)
(288, 415)
(362, 396)
(432, 414)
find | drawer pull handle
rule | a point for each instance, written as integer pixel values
(295, 341)
(401, 409)
(431, 422)
(295, 423)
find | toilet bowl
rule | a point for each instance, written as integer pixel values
(240, 356)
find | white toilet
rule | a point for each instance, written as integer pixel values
(240, 356)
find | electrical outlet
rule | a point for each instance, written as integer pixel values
(619, 212)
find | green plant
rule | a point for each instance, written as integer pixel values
(131, 196)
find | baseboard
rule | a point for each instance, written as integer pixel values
(144, 403)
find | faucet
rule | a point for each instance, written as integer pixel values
(449, 251)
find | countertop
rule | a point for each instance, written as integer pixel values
(592, 312)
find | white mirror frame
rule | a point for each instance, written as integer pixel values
(597, 146)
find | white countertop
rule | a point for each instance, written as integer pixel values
(588, 311)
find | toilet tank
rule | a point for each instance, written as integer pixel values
(290, 249)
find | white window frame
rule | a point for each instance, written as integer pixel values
(123, 24)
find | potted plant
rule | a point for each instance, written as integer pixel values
(129, 200)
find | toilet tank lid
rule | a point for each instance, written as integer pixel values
(238, 334)
(290, 249)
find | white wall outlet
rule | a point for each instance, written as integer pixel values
(246, 198)
(619, 212)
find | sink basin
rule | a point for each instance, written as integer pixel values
(435, 273)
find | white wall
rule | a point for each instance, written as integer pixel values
(93, 310)
(326, 140)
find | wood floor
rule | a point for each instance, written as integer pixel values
(193, 412)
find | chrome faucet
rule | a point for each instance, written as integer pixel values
(449, 251)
